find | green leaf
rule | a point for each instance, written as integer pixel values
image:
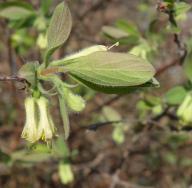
(26, 157)
(28, 71)
(60, 148)
(118, 131)
(173, 29)
(181, 8)
(157, 110)
(59, 29)
(65, 173)
(16, 10)
(45, 6)
(175, 95)
(117, 90)
(114, 32)
(169, 1)
(17, 4)
(129, 28)
(128, 41)
(117, 35)
(142, 50)
(152, 100)
(110, 69)
(111, 114)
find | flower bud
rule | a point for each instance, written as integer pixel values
(75, 102)
(30, 128)
(42, 41)
(65, 173)
(187, 118)
(185, 110)
(184, 105)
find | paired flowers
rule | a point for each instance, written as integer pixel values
(39, 124)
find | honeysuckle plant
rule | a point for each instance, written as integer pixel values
(95, 67)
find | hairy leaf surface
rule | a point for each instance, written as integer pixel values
(110, 69)
(119, 89)
(28, 71)
(59, 28)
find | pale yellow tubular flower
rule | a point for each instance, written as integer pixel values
(187, 118)
(184, 105)
(185, 110)
(46, 128)
(30, 129)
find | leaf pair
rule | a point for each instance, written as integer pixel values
(104, 71)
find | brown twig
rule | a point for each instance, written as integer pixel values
(161, 6)
(163, 68)
(88, 167)
(13, 78)
(116, 181)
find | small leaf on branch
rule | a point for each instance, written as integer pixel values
(59, 29)
(16, 10)
(28, 72)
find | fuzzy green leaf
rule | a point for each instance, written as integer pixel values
(110, 69)
(181, 8)
(118, 90)
(175, 95)
(16, 10)
(17, 3)
(111, 114)
(45, 6)
(114, 32)
(28, 71)
(128, 27)
(59, 29)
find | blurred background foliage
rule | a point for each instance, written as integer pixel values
(142, 139)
